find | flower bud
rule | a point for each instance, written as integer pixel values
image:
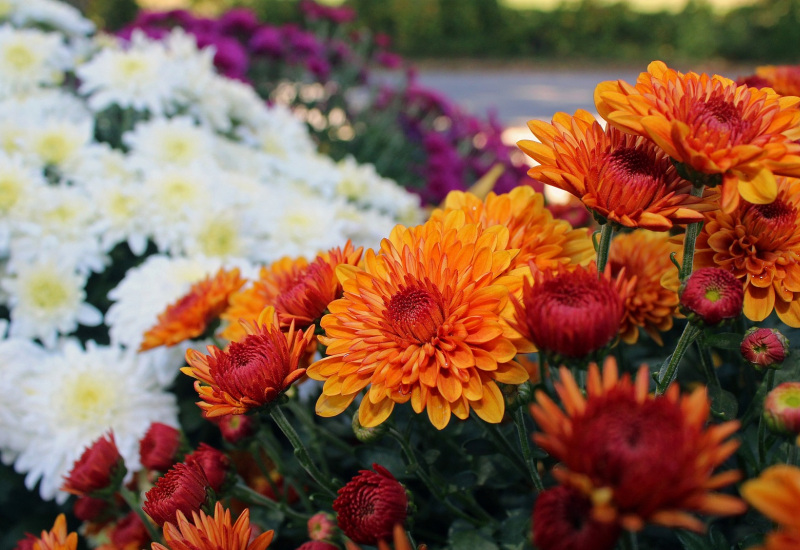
(764, 348)
(235, 427)
(317, 545)
(215, 465)
(562, 518)
(98, 472)
(711, 295)
(367, 435)
(782, 408)
(159, 449)
(321, 526)
(184, 488)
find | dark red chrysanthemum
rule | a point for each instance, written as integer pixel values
(562, 521)
(370, 504)
(215, 464)
(764, 348)
(129, 532)
(711, 295)
(182, 489)
(235, 427)
(570, 314)
(100, 469)
(89, 508)
(159, 449)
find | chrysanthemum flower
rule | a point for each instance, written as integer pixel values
(562, 520)
(782, 408)
(159, 449)
(57, 538)
(784, 79)
(99, 470)
(764, 348)
(776, 494)
(212, 533)
(422, 323)
(370, 504)
(190, 316)
(399, 538)
(641, 459)
(570, 315)
(548, 242)
(645, 257)
(184, 489)
(251, 372)
(760, 244)
(625, 179)
(711, 295)
(216, 465)
(712, 126)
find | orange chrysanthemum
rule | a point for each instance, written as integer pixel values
(251, 372)
(57, 538)
(190, 316)
(784, 79)
(641, 459)
(299, 291)
(714, 127)
(422, 322)
(212, 533)
(645, 256)
(549, 242)
(760, 244)
(399, 538)
(776, 494)
(625, 179)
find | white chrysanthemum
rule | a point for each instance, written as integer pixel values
(30, 58)
(280, 135)
(170, 141)
(57, 142)
(98, 165)
(140, 77)
(227, 233)
(46, 299)
(79, 396)
(48, 13)
(64, 224)
(120, 207)
(19, 186)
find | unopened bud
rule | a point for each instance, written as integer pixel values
(765, 348)
(711, 295)
(782, 408)
(367, 435)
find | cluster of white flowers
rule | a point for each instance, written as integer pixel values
(128, 172)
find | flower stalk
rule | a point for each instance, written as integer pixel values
(692, 230)
(132, 500)
(669, 370)
(769, 383)
(522, 434)
(606, 232)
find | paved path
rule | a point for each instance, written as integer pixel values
(519, 95)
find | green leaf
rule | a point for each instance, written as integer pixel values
(472, 539)
(724, 404)
(724, 340)
(693, 541)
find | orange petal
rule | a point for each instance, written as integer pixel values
(490, 407)
(371, 414)
(438, 411)
(331, 405)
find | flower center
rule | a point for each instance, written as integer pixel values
(635, 172)
(47, 292)
(774, 223)
(722, 117)
(19, 56)
(713, 294)
(253, 366)
(414, 313)
(87, 399)
(219, 239)
(10, 192)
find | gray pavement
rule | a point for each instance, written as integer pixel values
(520, 95)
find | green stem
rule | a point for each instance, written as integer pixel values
(605, 244)
(302, 414)
(669, 370)
(628, 541)
(769, 382)
(245, 493)
(791, 458)
(692, 230)
(300, 451)
(522, 434)
(708, 367)
(416, 468)
(505, 448)
(132, 500)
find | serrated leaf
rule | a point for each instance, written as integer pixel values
(724, 404)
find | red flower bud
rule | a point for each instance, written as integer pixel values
(215, 464)
(764, 348)
(129, 532)
(88, 508)
(235, 427)
(99, 470)
(159, 449)
(370, 504)
(782, 408)
(562, 519)
(184, 488)
(711, 295)
(321, 527)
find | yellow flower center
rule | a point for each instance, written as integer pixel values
(87, 398)
(178, 149)
(713, 294)
(10, 192)
(219, 238)
(47, 292)
(121, 207)
(19, 56)
(54, 147)
(132, 67)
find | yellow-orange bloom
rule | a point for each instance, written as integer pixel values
(57, 538)
(299, 291)
(625, 179)
(784, 79)
(399, 538)
(760, 244)
(645, 257)
(212, 533)
(251, 372)
(641, 459)
(422, 322)
(776, 494)
(709, 124)
(190, 316)
(549, 242)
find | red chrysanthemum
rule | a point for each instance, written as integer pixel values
(625, 179)
(216, 465)
(235, 427)
(562, 520)
(159, 449)
(184, 489)
(639, 458)
(711, 295)
(764, 348)
(317, 545)
(252, 372)
(99, 470)
(569, 315)
(741, 135)
(190, 316)
(370, 504)
(215, 532)
(89, 508)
